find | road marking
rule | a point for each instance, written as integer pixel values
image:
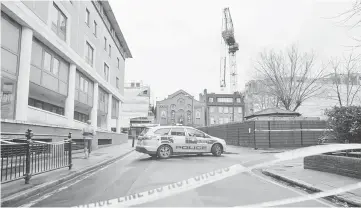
(82, 177)
(220, 174)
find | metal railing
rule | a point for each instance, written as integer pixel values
(23, 155)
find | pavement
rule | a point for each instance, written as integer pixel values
(315, 181)
(137, 172)
(18, 190)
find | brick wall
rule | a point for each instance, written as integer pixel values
(346, 166)
(269, 134)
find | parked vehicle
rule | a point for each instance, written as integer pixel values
(165, 141)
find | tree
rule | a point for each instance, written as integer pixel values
(290, 77)
(353, 17)
(346, 78)
(345, 123)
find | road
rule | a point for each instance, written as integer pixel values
(138, 172)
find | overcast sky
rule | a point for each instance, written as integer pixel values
(176, 44)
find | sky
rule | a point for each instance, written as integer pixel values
(176, 44)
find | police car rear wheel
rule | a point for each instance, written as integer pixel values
(217, 150)
(164, 151)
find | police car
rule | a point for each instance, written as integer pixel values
(164, 141)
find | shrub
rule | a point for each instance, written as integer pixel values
(345, 123)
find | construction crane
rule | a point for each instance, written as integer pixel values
(229, 48)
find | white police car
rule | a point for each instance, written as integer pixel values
(164, 141)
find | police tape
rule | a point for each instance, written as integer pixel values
(217, 175)
(171, 189)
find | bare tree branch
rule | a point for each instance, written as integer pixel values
(344, 77)
(290, 77)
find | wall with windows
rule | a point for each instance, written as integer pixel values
(86, 28)
(105, 53)
(10, 53)
(48, 69)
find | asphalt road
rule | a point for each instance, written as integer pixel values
(138, 172)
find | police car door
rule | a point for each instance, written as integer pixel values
(177, 134)
(196, 140)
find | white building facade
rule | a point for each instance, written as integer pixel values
(62, 63)
(136, 103)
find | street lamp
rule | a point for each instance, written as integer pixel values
(190, 96)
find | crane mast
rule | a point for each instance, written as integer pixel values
(229, 48)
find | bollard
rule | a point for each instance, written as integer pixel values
(28, 135)
(69, 151)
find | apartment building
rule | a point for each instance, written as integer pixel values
(223, 108)
(137, 102)
(62, 63)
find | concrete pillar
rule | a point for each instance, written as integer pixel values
(109, 114)
(69, 102)
(94, 111)
(119, 117)
(22, 94)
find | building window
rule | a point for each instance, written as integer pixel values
(220, 109)
(59, 21)
(239, 109)
(238, 100)
(87, 17)
(225, 110)
(56, 65)
(212, 120)
(210, 100)
(118, 65)
(211, 109)
(163, 114)
(89, 54)
(198, 114)
(225, 100)
(95, 28)
(46, 106)
(172, 107)
(86, 84)
(47, 61)
(106, 71)
(220, 120)
(105, 43)
(81, 117)
(117, 82)
(110, 50)
(230, 109)
(226, 120)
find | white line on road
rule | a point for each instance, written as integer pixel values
(82, 177)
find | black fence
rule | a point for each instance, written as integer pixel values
(26, 154)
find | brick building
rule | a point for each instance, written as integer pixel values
(180, 108)
(223, 108)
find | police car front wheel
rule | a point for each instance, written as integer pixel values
(217, 150)
(164, 151)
